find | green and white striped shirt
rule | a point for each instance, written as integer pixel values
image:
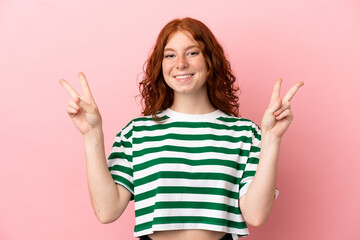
(188, 171)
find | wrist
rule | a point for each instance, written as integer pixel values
(269, 137)
(95, 132)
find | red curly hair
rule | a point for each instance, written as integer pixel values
(157, 95)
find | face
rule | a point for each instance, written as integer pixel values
(183, 65)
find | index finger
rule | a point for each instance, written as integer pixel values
(290, 94)
(85, 87)
(276, 91)
(69, 88)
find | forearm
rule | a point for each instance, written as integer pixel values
(257, 203)
(107, 198)
(104, 194)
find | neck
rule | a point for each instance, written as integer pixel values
(192, 104)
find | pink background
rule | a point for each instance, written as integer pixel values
(43, 185)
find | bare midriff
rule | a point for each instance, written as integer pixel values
(187, 234)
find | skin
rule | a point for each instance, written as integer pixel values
(257, 203)
(182, 56)
(109, 200)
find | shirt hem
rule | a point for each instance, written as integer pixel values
(236, 233)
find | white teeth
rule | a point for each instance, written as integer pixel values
(185, 76)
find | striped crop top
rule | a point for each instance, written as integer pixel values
(187, 172)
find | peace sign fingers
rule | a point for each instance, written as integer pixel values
(278, 116)
(88, 97)
(82, 110)
(290, 94)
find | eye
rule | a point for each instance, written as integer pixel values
(169, 55)
(193, 53)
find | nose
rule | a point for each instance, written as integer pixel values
(182, 62)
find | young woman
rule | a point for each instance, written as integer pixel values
(193, 167)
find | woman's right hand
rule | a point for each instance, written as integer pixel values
(83, 111)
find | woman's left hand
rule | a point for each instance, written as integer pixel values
(278, 116)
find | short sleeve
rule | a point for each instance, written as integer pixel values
(120, 162)
(252, 161)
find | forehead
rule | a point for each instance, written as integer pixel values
(180, 39)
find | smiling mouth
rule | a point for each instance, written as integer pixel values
(183, 77)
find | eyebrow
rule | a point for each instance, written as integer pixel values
(192, 46)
